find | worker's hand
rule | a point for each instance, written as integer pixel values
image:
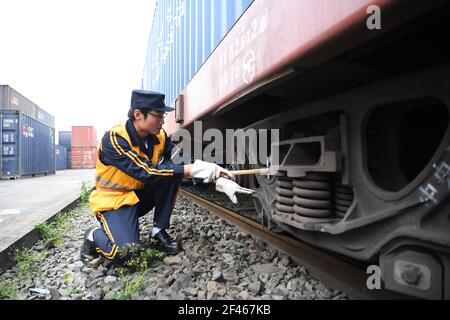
(207, 171)
(230, 188)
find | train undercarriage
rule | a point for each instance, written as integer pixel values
(364, 154)
(365, 174)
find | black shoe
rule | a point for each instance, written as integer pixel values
(88, 249)
(166, 244)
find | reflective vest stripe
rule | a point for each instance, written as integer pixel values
(101, 189)
(115, 188)
(112, 184)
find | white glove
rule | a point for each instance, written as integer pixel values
(230, 188)
(207, 171)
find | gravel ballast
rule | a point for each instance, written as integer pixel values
(218, 262)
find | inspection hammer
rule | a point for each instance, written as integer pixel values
(250, 171)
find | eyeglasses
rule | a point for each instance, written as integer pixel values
(159, 116)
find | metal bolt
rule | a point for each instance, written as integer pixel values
(411, 274)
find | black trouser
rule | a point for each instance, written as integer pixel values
(120, 227)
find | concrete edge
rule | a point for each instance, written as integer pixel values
(29, 239)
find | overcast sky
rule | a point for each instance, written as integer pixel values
(76, 59)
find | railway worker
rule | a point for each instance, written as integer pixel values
(134, 174)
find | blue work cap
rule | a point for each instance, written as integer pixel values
(149, 100)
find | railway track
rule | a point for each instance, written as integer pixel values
(341, 274)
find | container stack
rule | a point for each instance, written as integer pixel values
(10, 99)
(65, 139)
(84, 147)
(27, 137)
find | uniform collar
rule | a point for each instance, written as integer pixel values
(134, 136)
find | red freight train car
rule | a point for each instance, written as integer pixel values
(359, 93)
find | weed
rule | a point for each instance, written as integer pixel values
(131, 284)
(29, 269)
(48, 232)
(139, 257)
(75, 290)
(67, 278)
(55, 230)
(64, 222)
(85, 193)
(143, 261)
(133, 273)
(8, 288)
(28, 264)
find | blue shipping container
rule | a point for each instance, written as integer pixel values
(184, 34)
(61, 157)
(10, 99)
(65, 139)
(28, 146)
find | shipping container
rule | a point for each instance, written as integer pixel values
(183, 35)
(10, 99)
(84, 136)
(84, 157)
(61, 157)
(28, 146)
(65, 139)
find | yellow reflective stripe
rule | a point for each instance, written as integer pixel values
(114, 140)
(105, 226)
(163, 172)
(117, 146)
(111, 138)
(113, 255)
(114, 249)
(109, 255)
(143, 163)
(136, 160)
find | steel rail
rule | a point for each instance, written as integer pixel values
(335, 272)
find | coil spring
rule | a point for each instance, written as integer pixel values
(284, 202)
(315, 196)
(343, 198)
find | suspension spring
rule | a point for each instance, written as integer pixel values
(317, 195)
(343, 197)
(284, 201)
(313, 195)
